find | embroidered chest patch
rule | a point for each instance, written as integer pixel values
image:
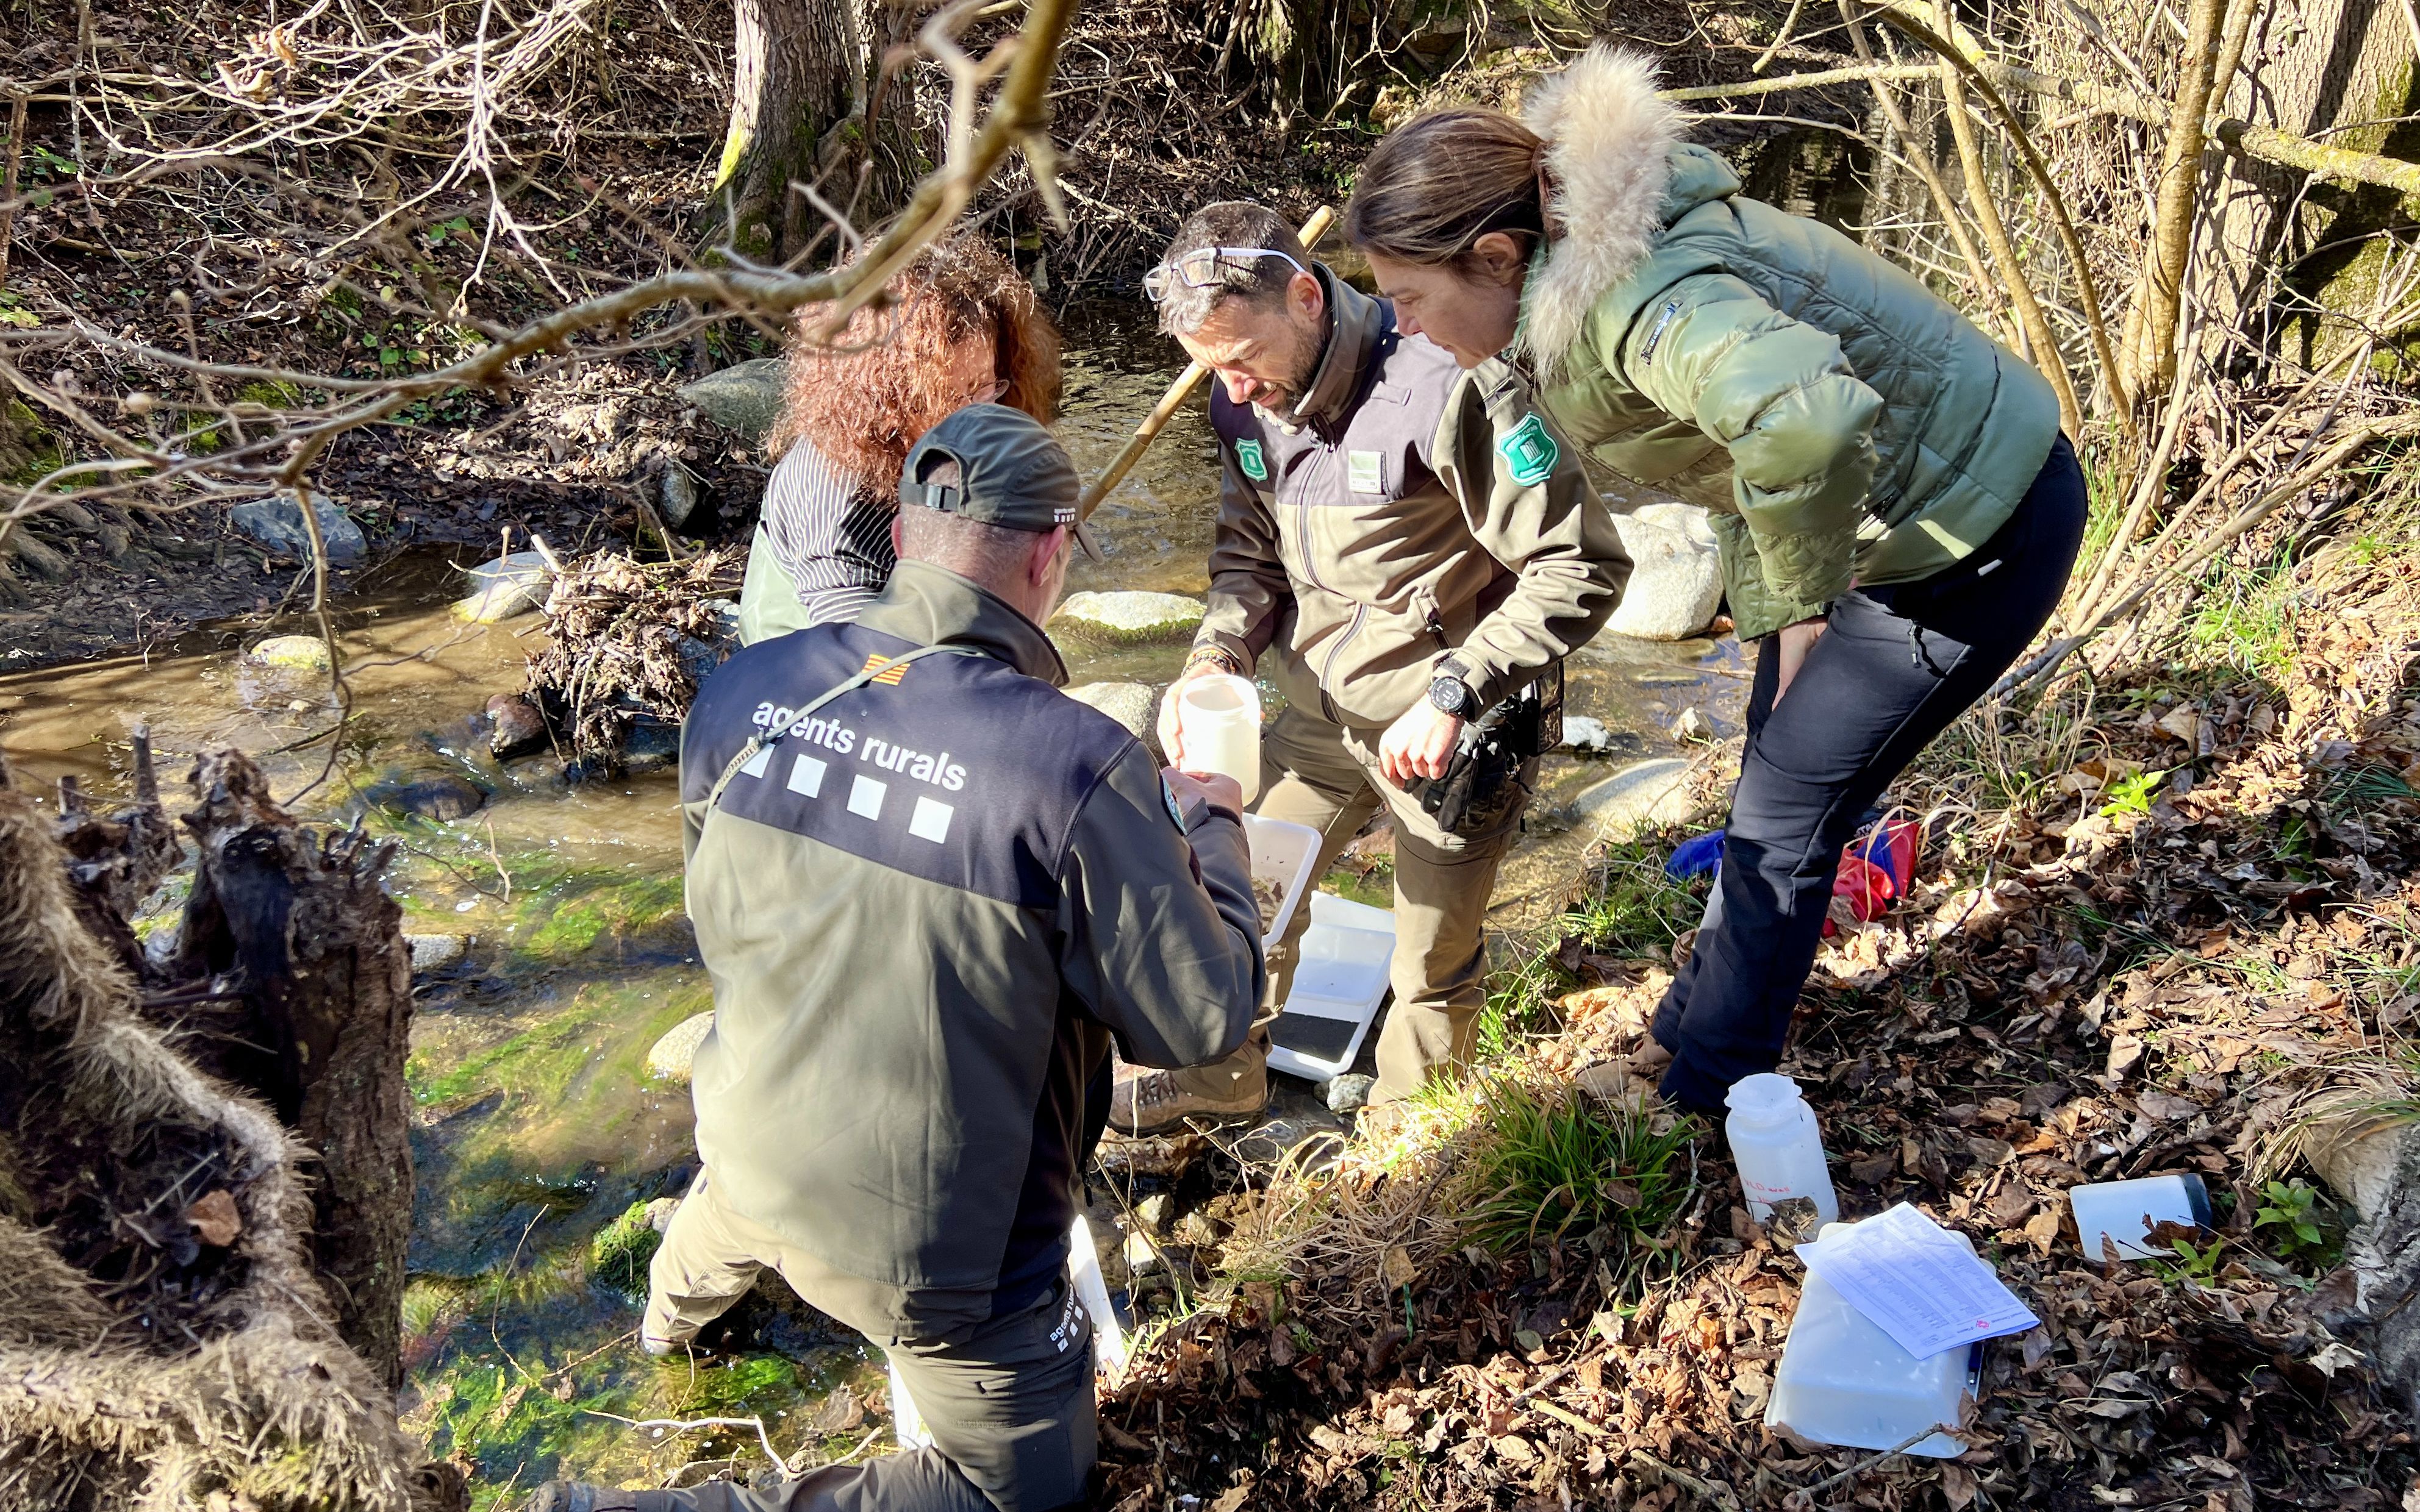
(1249, 458)
(1530, 453)
(1366, 472)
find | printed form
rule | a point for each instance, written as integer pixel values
(1914, 1281)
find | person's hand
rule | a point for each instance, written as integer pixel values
(1171, 743)
(1792, 643)
(1217, 789)
(1419, 744)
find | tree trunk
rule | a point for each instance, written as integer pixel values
(800, 67)
(297, 929)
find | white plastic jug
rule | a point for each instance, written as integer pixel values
(1219, 721)
(2127, 1211)
(1777, 1147)
(1843, 1380)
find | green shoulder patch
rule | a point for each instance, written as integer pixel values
(1529, 451)
(1249, 458)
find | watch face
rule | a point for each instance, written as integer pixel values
(1449, 694)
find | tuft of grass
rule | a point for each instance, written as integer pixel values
(1547, 1162)
(2244, 618)
(1520, 1005)
(1632, 906)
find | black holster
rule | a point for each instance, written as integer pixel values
(1494, 768)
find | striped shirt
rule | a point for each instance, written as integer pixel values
(830, 534)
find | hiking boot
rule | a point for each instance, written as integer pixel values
(1158, 1100)
(579, 1496)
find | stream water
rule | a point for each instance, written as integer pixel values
(538, 1134)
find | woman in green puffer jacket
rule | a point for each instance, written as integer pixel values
(1897, 508)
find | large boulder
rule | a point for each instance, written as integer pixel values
(745, 399)
(1676, 580)
(276, 522)
(1129, 617)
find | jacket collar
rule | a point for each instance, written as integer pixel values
(1610, 144)
(931, 606)
(1355, 324)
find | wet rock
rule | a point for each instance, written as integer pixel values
(1277, 1138)
(1639, 795)
(745, 400)
(505, 587)
(698, 658)
(1693, 725)
(1154, 1211)
(299, 653)
(619, 1252)
(518, 727)
(671, 1056)
(1131, 704)
(432, 953)
(1676, 577)
(660, 1213)
(1123, 1158)
(276, 522)
(425, 793)
(651, 746)
(1141, 1258)
(1129, 617)
(1346, 1094)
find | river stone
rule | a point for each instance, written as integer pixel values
(745, 399)
(677, 495)
(1639, 795)
(1130, 617)
(519, 728)
(1676, 579)
(674, 1054)
(1131, 704)
(1582, 733)
(436, 952)
(276, 522)
(303, 652)
(427, 792)
(505, 587)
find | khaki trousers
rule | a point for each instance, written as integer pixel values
(1010, 1409)
(1327, 777)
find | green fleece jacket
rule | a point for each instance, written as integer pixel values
(1844, 424)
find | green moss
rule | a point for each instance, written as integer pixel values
(619, 1251)
(567, 919)
(270, 395)
(600, 1037)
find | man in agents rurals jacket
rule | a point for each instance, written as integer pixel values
(930, 887)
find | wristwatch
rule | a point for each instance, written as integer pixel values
(1449, 694)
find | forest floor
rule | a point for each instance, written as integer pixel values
(2161, 919)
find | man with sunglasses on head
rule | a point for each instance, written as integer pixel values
(1418, 551)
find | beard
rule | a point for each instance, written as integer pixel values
(1301, 366)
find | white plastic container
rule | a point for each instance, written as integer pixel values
(2127, 1211)
(1777, 1148)
(1282, 854)
(1219, 722)
(1842, 1380)
(1339, 979)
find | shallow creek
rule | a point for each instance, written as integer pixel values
(538, 1128)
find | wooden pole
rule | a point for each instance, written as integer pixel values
(1140, 442)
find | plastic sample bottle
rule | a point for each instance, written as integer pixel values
(1777, 1148)
(1218, 718)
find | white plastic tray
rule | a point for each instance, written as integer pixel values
(1283, 853)
(1340, 980)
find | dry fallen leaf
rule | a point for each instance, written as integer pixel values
(215, 1218)
(1395, 1267)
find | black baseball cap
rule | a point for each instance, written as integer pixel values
(1011, 472)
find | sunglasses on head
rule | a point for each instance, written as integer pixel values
(1201, 267)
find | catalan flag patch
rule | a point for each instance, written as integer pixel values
(889, 678)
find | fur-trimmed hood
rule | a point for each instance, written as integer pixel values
(1609, 141)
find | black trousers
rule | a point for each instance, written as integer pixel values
(1012, 1418)
(1894, 667)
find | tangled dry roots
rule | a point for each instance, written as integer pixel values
(141, 1367)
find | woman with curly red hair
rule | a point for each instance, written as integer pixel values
(961, 327)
